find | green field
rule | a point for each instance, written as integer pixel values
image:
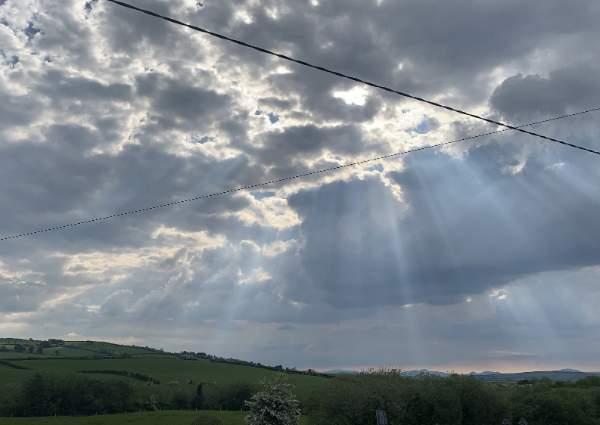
(149, 418)
(96, 347)
(7, 355)
(162, 369)
(74, 349)
(9, 375)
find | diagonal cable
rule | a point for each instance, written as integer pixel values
(339, 74)
(281, 180)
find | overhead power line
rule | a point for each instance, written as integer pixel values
(281, 180)
(339, 74)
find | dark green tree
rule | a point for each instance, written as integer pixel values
(36, 396)
(198, 401)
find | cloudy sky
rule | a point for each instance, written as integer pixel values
(483, 254)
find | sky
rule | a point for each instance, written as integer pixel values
(478, 255)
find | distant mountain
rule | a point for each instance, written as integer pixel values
(415, 372)
(488, 375)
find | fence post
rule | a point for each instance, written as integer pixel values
(381, 417)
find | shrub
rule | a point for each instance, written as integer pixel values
(229, 396)
(274, 404)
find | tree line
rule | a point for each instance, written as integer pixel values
(454, 400)
(45, 394)
(134, 375)
(279, 368)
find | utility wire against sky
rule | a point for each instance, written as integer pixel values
(284, 179)
(339, 74)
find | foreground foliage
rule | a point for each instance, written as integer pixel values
(455, 400)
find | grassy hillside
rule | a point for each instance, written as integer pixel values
(90, 349)
(163, 369)
(64, 357)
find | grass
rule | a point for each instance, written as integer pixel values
(7, 355)
(107, 346)
(171, 417)
(168, 369)
(78, 349)
(163, 369)
(8, 375)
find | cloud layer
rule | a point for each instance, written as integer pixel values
(480, 254)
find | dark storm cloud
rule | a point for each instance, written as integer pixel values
(58, 86)
(310, 141)
(131, 31)
(442, 45)
(178, 104)
(519, 98)
(468, 229)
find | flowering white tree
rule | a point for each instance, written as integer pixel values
(274, 404)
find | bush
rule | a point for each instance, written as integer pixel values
(206, 419)
(229, 396)
(591, 381)
(19, 348)
(274, 404)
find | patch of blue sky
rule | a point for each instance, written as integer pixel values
(261, 195)
(12, 61)
(421, 128)
(201, 140)
(31, 31)
(376, 167)
(88, 5)
(272, 116)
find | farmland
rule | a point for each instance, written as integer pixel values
(164, 370)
